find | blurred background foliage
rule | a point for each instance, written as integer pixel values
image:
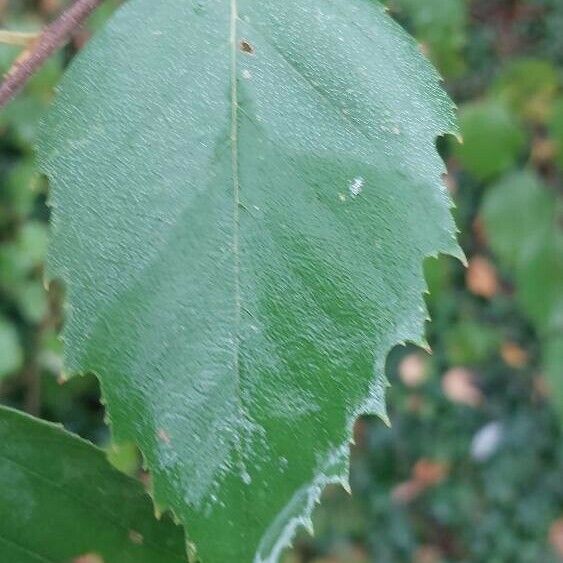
(472, 468)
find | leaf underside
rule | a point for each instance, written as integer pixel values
(243, 195)
(60, 500)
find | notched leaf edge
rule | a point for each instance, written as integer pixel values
(335, 471)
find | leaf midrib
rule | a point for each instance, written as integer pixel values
(236, 217)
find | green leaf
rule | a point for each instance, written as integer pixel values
(32, 301)
(553, 362)
(18, 121)
(11, 352)
(440, 25)
(469, 342)
(60, 499)
(528, 86)
(517, 210)
(492, 139)
(523, 218)
(32, 243)
(523, 221)
(556, 130)
(243, 195)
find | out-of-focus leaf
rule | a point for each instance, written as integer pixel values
(556, 129)
(528, 86)
(31, 299)
(21, 117)
(540, 281)
(19, 257)
(517, 211)
(553, 369)
(19, 190)
(60, 499)
(469, 342)
(11, 352)
(32, 243)
(523, 221)
(493, 139)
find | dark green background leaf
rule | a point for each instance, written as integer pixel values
(61, 499)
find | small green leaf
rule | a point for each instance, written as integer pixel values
(517, 211)
(243, 196)
(523, 221)
(60, 499)
(492, 139)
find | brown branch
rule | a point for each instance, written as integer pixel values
(52, 38)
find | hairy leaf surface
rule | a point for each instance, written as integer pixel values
(244, 192)
(60, 500)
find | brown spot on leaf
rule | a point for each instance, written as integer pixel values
(247, 47)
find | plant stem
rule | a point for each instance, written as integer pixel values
(51, 38)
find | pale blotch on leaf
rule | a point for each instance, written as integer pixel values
(163, 436)
(136, 537)
(88, 558)
(356, 186)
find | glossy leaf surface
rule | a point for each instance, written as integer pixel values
(243, 195)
